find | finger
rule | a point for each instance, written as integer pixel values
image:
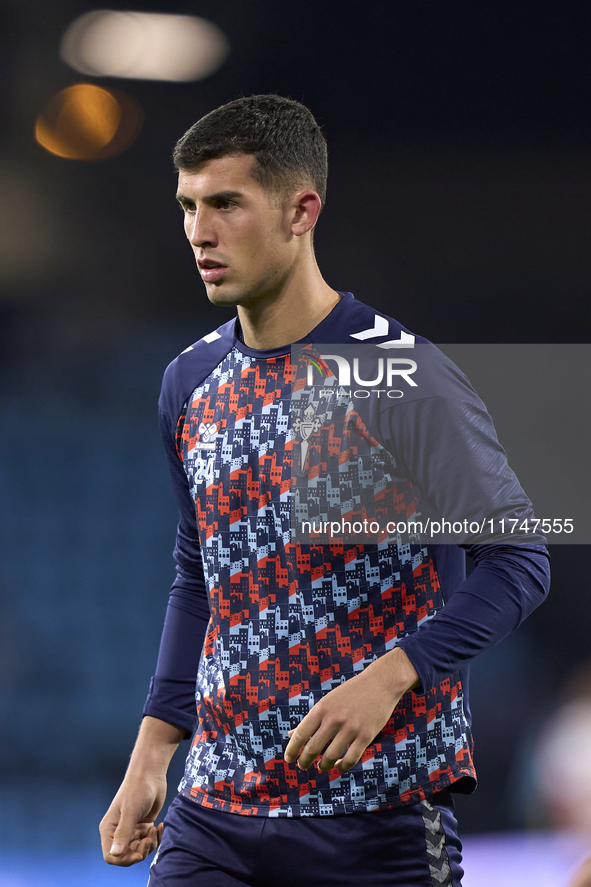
(126, 861)
(141, 831)
(335, 752)
(352, 756)
(108, 826)
(316, 746)
(128, 830)
(137, 849)
(300, 736)
(129, 857)
(148, 844)
(106, 832)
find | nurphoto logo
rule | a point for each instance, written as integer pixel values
(383, 372)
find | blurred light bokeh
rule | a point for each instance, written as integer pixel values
(88, 122)
(144, 45)
(561, 757)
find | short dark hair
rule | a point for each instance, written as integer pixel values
(282, 134)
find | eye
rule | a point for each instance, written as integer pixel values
(186, 207)
(223, 204)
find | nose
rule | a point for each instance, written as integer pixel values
(199, 228)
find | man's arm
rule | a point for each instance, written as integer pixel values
(128, 833)
(504, 588)
(450, 452)
(171, 696)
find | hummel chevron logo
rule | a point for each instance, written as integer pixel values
(406, 340)
(380, 328)
(208, 430)
(211, 337)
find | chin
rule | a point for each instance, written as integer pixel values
(217, 296)
(226, 297)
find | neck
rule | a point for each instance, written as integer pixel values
(288, 315)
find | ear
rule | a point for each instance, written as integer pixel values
(306, 209)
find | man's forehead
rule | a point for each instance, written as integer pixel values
(220, 172)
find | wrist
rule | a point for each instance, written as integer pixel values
(401, 672)
(156, 744)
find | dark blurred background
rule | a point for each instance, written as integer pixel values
(459, 202)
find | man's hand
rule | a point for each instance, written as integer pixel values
(128, 832)
(345, 721)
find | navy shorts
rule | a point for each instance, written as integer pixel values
(416, 846)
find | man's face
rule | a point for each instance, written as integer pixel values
(241, 236)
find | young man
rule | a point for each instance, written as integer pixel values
(332, 711)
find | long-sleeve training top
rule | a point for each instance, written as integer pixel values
(278, 458)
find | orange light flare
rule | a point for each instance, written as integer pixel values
(88, 122)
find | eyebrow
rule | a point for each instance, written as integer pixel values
(219, 195)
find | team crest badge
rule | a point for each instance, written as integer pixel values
(308, 425)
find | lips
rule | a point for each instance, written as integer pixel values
(211, 270)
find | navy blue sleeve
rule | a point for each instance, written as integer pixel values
(507, 584)
(449, 450)
(172, 689)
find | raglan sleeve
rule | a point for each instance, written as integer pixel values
(171, 696)
(446, 445)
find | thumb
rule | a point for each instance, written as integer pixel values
(123, 833)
